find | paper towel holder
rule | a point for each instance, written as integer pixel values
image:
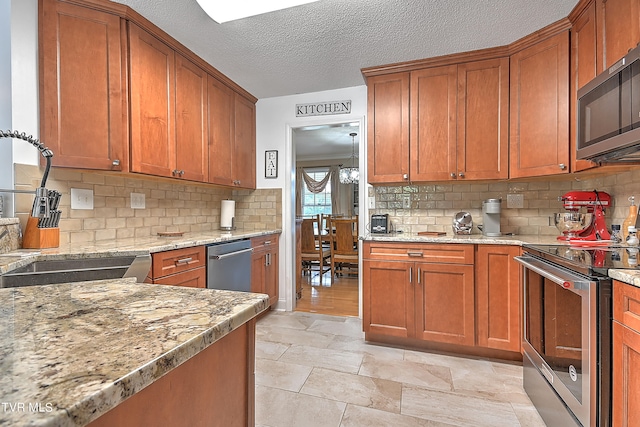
(227, 215)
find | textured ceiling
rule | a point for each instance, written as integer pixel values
(323, 45)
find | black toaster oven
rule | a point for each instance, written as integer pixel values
(380, 223)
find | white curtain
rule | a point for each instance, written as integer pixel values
(318, 187)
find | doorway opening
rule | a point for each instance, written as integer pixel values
(320, 151)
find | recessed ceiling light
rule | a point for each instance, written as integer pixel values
(224, 11)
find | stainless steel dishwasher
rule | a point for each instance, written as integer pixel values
(229, 265)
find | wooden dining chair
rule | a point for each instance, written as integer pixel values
(311, 247)
(344, 244)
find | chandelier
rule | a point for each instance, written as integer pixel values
(350, 175)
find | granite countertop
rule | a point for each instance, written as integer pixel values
(630, 277)
(134, 246)
(478, 239)
(71, 352)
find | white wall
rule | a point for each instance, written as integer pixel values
(6, 157)
(275, 119)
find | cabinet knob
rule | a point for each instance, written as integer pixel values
(405, 176)
(453, 175)
(116, 162)
(174, 172)
(461, 174)
(562, 166)
(181, 172)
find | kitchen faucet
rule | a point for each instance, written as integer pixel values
(41, 202)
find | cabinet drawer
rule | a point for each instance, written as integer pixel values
(264, 241)
(178, 260)
(192, 278)
(626, 305)
(424, 252)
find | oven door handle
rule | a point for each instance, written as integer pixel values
(556, 275)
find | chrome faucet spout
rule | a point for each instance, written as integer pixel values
(41, 202)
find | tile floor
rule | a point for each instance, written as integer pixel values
(316, 370)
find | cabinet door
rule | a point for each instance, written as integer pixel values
(619, 28)
(445, 303)
(192, 279)
(388, 128)
(388, 298)
(498, 297)
(244, 149)
(539, 95)
(271, 276)
(258, 270)
(584, 67)
(220, 109)
(626, 381)
(83, 101)
(432, 152)
(191, 121)
(483, 120)
(152, 90)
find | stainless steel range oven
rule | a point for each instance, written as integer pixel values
(567, 333)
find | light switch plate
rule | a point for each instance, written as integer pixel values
(406, 201)
(137, 201)
(515, 201)
(81, 199)
(372, 202)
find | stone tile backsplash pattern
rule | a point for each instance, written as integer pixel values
(169, 206)
(433, 206)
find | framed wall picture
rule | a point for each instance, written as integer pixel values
(271, 164)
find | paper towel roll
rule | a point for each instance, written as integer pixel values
(227, 215)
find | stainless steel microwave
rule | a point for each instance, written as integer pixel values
(609, 113)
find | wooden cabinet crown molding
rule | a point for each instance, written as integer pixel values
(131, 15)
(471, 56)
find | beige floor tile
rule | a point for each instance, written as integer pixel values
(363, 348)
(527, 415)
(456, 409)
(358, 416)
(280, 408)
(293, 336)
(355, 389)
(270, 350)
(420, 374)
(285, 376)
(338, 360)
(294, 320)
(349, 329)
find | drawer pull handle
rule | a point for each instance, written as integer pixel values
(184, 261)
(268, 242)
(410, 274)
(415, 254)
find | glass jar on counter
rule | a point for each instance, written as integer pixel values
(632, 236)
(616, 235)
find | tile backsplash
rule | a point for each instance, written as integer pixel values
(433, 206)
(169, 205)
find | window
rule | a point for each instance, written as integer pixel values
(318, 203)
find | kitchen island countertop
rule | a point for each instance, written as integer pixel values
(71, 352)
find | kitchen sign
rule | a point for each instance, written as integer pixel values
(323, 108)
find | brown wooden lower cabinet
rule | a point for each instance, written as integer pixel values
(498, 323)
(450, 297)
(180, 267)
(626, 354)
(264, 266)
(214, 388)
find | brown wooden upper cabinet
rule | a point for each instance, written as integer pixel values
(539, 141)
(168, 110)
(618, 29)
(584, 67)
(83, 99)
(185, 120)
(440, 123)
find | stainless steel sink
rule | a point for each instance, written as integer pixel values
(47, 272)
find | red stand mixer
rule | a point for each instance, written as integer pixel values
(577, 225)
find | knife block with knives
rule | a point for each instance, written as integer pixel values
(44, 232)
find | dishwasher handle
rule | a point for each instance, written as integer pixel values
(230, 254)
